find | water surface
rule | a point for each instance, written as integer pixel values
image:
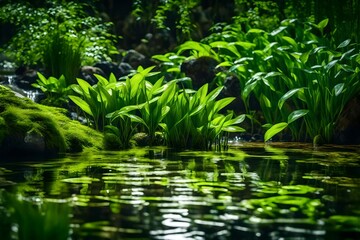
(252, 191)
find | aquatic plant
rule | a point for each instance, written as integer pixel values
(188, 118)
(194, 119)
(294, 72)
(63, 55)
(55, 89)
(33, 220)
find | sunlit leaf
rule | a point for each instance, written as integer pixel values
(296, 115)
(323, 23)
(344, 43)
(288, 95)
(82, 104)
(338, 88)
(275, 129)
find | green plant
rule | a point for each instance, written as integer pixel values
(109, 102)
(295, 61)
(194, 120)
(34, 26)
(62, 56)
(45, 220)
(173, 15)
(56, 90)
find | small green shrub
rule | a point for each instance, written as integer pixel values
(55, 90)
(62, 56)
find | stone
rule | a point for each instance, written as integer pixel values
(347, 130)
(201, 70)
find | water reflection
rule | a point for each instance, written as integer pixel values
(257, 192)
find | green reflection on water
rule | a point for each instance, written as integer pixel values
(156, 193)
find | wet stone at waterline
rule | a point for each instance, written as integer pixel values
(249, 192)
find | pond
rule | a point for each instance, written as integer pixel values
(251, 191)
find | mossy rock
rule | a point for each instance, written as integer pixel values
(27, 127)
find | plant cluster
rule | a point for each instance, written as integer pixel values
(172, 15)
(186, 118)
(294, 72)
(60, 30)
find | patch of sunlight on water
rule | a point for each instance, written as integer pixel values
(252, 191)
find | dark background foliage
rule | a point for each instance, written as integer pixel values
(184, 20)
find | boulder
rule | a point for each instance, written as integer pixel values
(201, 70)
(347, 129)
(28, 128)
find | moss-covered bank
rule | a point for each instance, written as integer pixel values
(30, 128)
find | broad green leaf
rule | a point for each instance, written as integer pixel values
(101, 80)
(173, 69)
(245, 45)
(296, 115)
(82, 104)
(244, 59)
(226, 48)
(135, 118)
(168, 94)
(275, 129)
(220, 104)
(42, 78)
(331, 64)
(277, 31)
(85, 86)
(255, 30)
(164, 111)
(124, 110)
(135, 83)
(338, 88)
(248, 89)
(192, 45)
(233, 129)
(347, 53)
(214, 93)
(112, 78)
(62, 81)
(287, 95)
(321, 25)
(224, 64)
(305, 56)
(76, 88)
(273, 74)
(237, 67)
(266, 102)
(146, 71)
(161, 58)
(290, 40)
(236, 120)
(344, 43)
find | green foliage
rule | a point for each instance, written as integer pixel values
(56, 90)
(172, 15)
(67, 19)
(62, 56)
(45, 220)
(188, 119)
(20, 117)
(194, 121)
(25, 122)
(301, 79)
(257, 14)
